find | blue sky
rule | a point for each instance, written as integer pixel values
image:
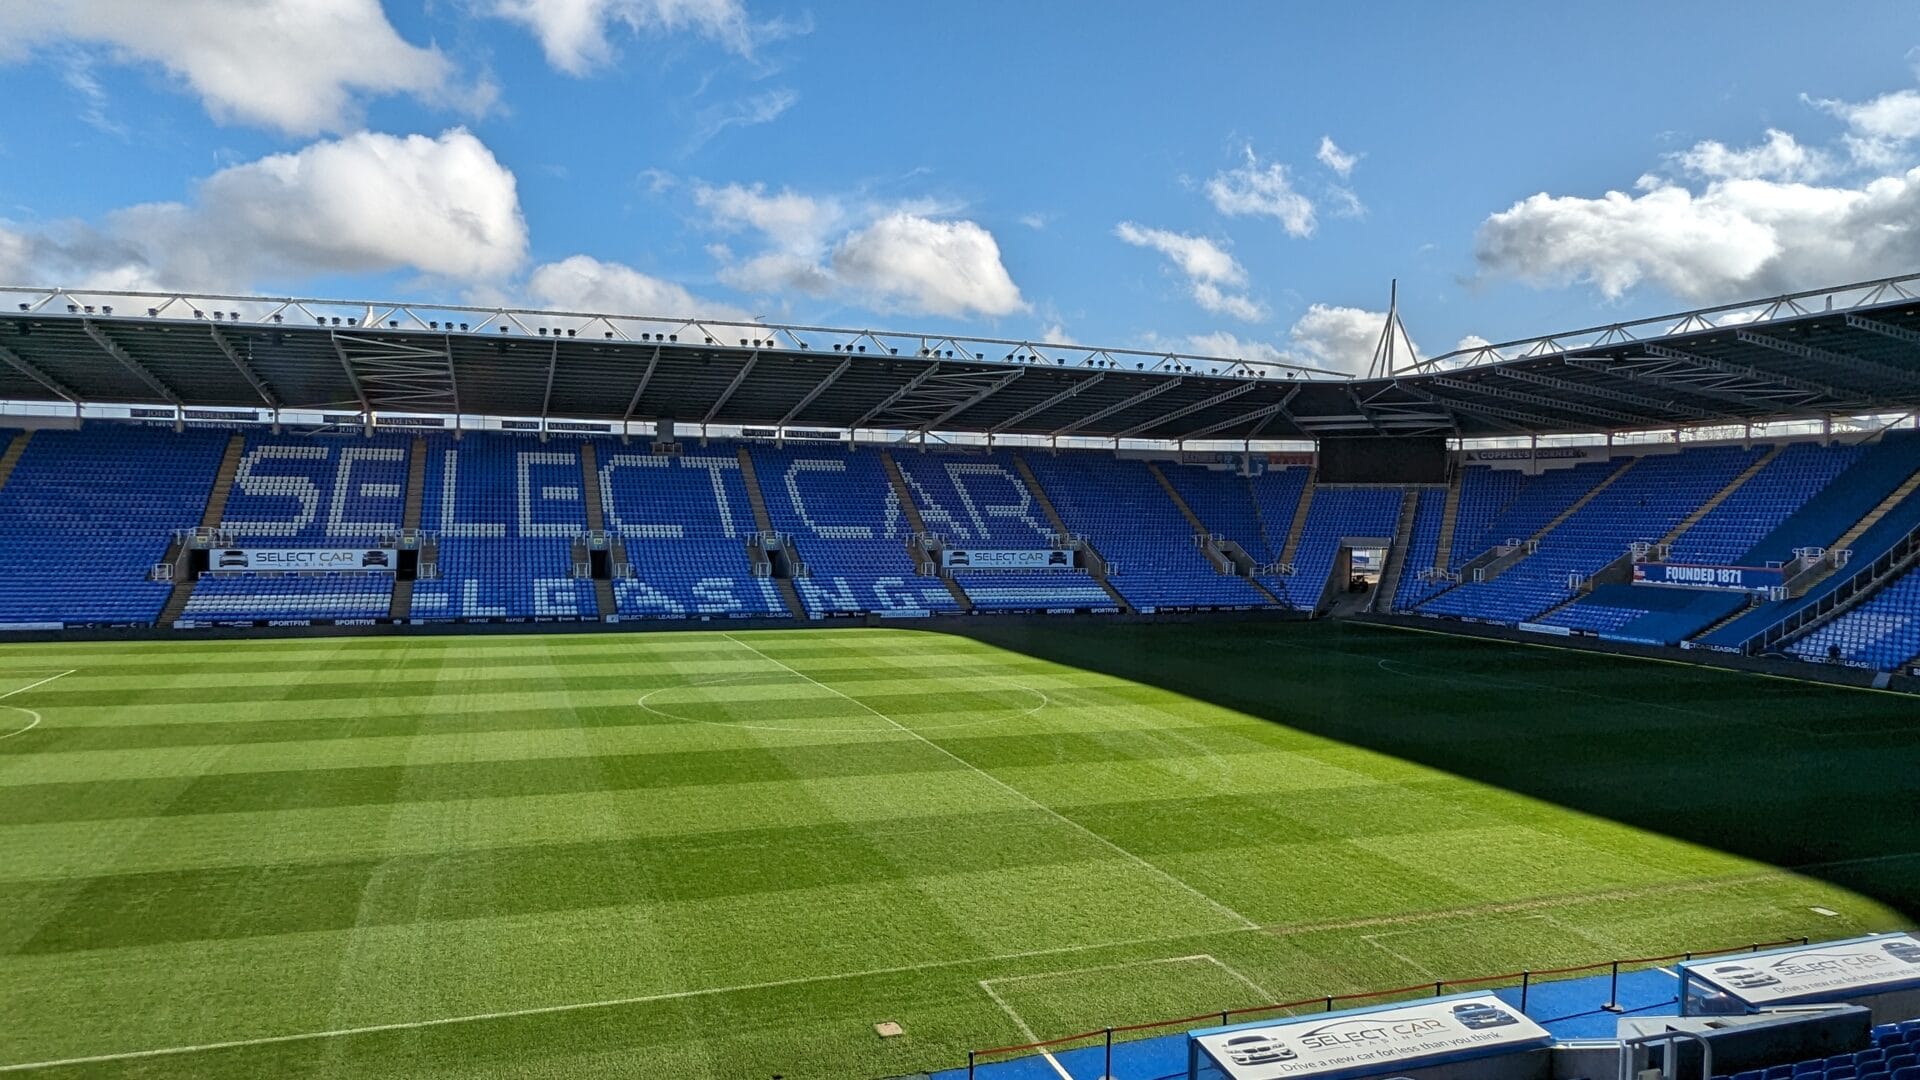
(1239, 180)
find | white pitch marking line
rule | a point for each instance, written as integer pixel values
(545, 1010)
(1024, 1029)
(1245, 923)
(31, 724)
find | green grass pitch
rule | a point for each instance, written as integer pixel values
(729, 855)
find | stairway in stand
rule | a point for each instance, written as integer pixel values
(597, 522)
(765, 525)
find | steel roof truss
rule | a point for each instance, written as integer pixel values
(979, 396)
(245, 369)
(1870, 368)
(1553, 404)
(139, 370)
(1122, 406)
(1605, 393)
(1753, 375)
(645, 378)
(818, 389)
(1036, 410)
(739, 377)
(1187, 410)
(20, 364)
(1264, 414)
(897, 396)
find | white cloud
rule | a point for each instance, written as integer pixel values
(797, 222)
(1732, 239)
(1881, 129)
(577, 35)
(1780, 157)
(1206, 265)
(1334, 158)
(584, 283)
(367, 203)
(1036, 222)
(1337, 338)
(1261, 191)
(758, 109)
(934, 267)
(912, 258)
(1328, 337)
(300, 66)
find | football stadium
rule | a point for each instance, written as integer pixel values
(586, 677)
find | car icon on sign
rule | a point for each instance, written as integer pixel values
(1744, 978)
(1478, 1014)
(374, 558)
(1903, 950)
(231, 559)
(1257, 1050)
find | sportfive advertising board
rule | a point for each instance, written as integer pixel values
(1366, 1042)
(372, 560)
(1829, 971)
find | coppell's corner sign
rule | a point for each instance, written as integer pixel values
(1364, 1043)
(1829, 971)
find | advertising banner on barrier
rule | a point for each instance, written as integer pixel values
(1007, 559)
(1371, 1042)
(371, 560)
(1743, 578)
(1828, 971)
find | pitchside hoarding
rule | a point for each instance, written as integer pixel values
(1007, 559)
(1367, 1042)
(1829, 971)
(371, 560)
(1743, 578)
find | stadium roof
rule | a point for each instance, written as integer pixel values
(1846, 350)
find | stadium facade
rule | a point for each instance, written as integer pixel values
(187, 462)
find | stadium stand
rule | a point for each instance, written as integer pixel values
(1423, 549)
(86, 513)
(683, 520)
(291, 596)
(1883, 632)
(980, 500)
(506, 510)
(1139, 531)
(1730, 532)
(1337, 512)
(848, 528)
(1895, 1055)
(317, 491)
(1650, 497)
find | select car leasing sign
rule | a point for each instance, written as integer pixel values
(292, 559)
(1361, 1043)
(1834, 970)
(1007, 559)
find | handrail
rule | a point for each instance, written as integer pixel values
(1327, 1001)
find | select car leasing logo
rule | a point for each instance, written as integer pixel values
(1363, 1031)
(1830, 962)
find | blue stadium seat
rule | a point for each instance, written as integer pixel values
(86, 514)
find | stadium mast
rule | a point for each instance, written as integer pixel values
(1386, 355)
